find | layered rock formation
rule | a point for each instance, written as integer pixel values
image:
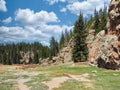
(104, 48)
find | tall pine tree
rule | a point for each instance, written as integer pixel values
(80, 52)
(62, 41)
(53, 47)
(96, 25)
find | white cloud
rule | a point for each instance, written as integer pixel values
(46, 43)
(42, 34)
(20, 34)
(87, 7)
(39, 26)
(7, 20)
(3, 6)
(51, 2)
(29, 17)
(63, 10)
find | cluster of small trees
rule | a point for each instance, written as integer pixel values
(100, 18)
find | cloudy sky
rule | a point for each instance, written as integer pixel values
(38, 20)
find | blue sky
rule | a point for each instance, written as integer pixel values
(38, 20)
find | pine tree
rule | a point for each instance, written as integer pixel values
(103, 20)
(96, 25)
(100, 20)
(62, 41)
(79, 52)
(66, 35)
(53, 47)
(36, 59)
(71, 33)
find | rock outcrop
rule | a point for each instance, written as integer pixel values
(64, 55)
(104, 48)
(26, 57)
(114, 18)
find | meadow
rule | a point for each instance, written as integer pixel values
(58, 77)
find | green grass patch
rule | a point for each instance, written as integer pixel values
(8, 86)
(73, 85)
(38, 86)
(61, 69)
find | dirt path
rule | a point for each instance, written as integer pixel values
(21, 85)
(21, 81)
(56, 82)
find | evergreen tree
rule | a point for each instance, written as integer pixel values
(71, 33)
(62, 40)
(96, 25)
(36, 59)
(66, 35)
(53, 47)
(103, 20)
(100, 20)
(79, 52)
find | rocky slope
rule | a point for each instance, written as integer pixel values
(65, 54)
(104, 48)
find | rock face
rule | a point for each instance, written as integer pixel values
(114, 18)
(26, 57)
(104, 48)
(65, 54)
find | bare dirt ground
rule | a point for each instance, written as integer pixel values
(21, 85)
(56, 82)
(8, 67)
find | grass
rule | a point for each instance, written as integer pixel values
(61, 69)
(72, 85)
(37, 86)
(7, 87)
(101, 79)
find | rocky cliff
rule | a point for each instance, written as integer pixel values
(104, 48)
